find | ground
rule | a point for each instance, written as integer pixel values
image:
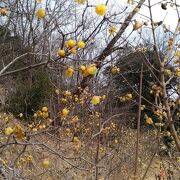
(68, 162)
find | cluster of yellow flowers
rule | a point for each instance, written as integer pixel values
(160, 113)
(64, 113)
(42, 120)
(148, 119)
(88, 70)
(143, 50)
(115, 70)
(17, 131)
(106, 130)
(168, 72)
(21, 162)
(72, 47)
(77, 142)
(125, 98)
(74, 119)
(6, 117)
(42, 113)
(157, 90)
(69, 71)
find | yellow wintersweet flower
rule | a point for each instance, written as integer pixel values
(44, 109)
(149, 120)
(167, 72)
(67, 93)
(136, 10)
(63, 100)
(21, 115)
(45, 163)
(103, 97)
(77, 143)
(142, 107)
(101, 9)
(82, 68)
(75, 119)
(115, 70)
(80, 1)
(8, 131)
(69, 71)
(34, 130)
(128, 97)
(84, 71)
(178, 72)
(95, 100)
(178, 102)
(128, 1)
(57, 91)
(70, 43)
(116, 141)
(39, 113)
(40, 13)
(35, 115)
(4, 12)
(122, 98)
(91, 69)
(43, 126)
(45, 114)
(73, 50)
(18, 131)
(177, 53)
(75, 139)
(64, 112)
(68, 132)
(112, 30)
(61, 52)
(137, 25)
(81, 44)
(29, 158)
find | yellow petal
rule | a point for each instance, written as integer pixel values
(95, 100)
(8, 131)
(40, 13)
(101, 9)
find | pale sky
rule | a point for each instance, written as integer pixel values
(170, 15)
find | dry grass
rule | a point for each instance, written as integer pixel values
(116, 160)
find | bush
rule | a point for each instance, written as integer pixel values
(29, 97)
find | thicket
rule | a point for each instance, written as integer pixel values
(28, 97)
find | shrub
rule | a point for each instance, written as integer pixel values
(28, 97)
